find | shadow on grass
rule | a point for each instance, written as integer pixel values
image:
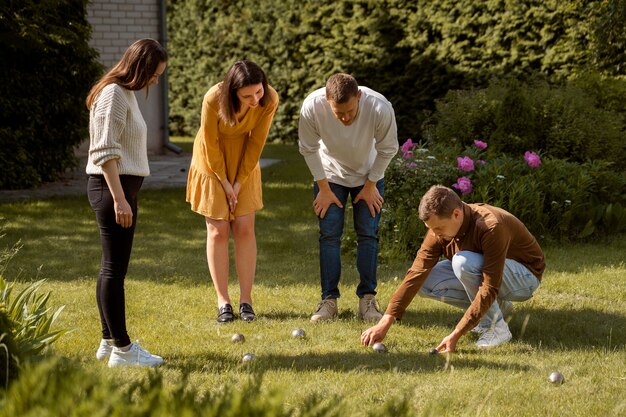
(567, 329)
(349, 361)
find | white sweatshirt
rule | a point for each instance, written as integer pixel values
(348, 155)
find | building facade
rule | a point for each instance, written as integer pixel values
(116, 25)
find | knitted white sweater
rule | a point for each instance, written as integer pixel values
(117, 130)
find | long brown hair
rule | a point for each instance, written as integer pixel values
(134, 70)
(241, 74)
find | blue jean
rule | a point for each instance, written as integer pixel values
(456, 283)
(331, 229)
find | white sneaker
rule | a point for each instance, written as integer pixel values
(326, 310)
(135, 356)
(479, 329)
(104, 350)
(495, 336)
(369, 309)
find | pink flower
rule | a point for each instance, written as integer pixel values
(532, 159)
(411, 164)
(407, 146)
(464, 185)
(480, 161)
(465, 163)
(480, 144)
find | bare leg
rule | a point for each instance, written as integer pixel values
(217, 257)
(245, 255)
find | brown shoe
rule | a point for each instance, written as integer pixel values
(326, 310)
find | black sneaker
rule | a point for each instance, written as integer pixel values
(225, 314)
(246, 312)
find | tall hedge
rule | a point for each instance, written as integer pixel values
(46, 70)
(412, 51)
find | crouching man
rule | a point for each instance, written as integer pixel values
(491, 260)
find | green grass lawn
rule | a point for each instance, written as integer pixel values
(576, 323)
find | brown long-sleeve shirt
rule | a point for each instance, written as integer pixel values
(489, 230)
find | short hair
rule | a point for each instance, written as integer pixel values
(240, 74)
(135, 70)
(341, 87)
(439, 201)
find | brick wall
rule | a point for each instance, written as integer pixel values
(117, 24)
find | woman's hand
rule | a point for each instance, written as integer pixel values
(123, 213)
(231, 195)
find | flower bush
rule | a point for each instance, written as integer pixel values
(556, 199)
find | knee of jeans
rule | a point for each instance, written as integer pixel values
(331, 228)
(425, 292)
(520, 294)
(467, 262)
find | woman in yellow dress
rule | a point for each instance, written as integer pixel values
(224, 183)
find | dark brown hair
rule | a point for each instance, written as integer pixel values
(439, 201)
(134, 70)
(341, 87)
(240, 74)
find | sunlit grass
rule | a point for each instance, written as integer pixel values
(574, 324)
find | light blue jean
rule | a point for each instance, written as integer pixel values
(456, 283)
(331, 229)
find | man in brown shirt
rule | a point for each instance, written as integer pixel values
(491, 260)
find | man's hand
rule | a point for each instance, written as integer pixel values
(325, 197)
(369, 193)
(448, 344)
(378, 332)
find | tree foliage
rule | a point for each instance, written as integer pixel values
(46, 70)
(413, 52)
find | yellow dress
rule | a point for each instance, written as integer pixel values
(223, 151)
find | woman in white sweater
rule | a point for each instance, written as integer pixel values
(117, 165)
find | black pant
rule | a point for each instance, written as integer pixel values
(117, 243)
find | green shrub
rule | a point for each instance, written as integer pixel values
(9, 361)
(25, 322)
(47, 69)
(413, 52)
(569, 121)
(58, 387)
(556, 199)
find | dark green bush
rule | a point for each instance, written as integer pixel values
(411, 51)
(558, 200)
(46, 70)
(571, 121)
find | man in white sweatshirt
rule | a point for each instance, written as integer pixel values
(348, 136)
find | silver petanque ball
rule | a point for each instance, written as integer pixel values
(298, 333)
(379, 347)
(556, 378)
(238, 338)
(247, 357)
